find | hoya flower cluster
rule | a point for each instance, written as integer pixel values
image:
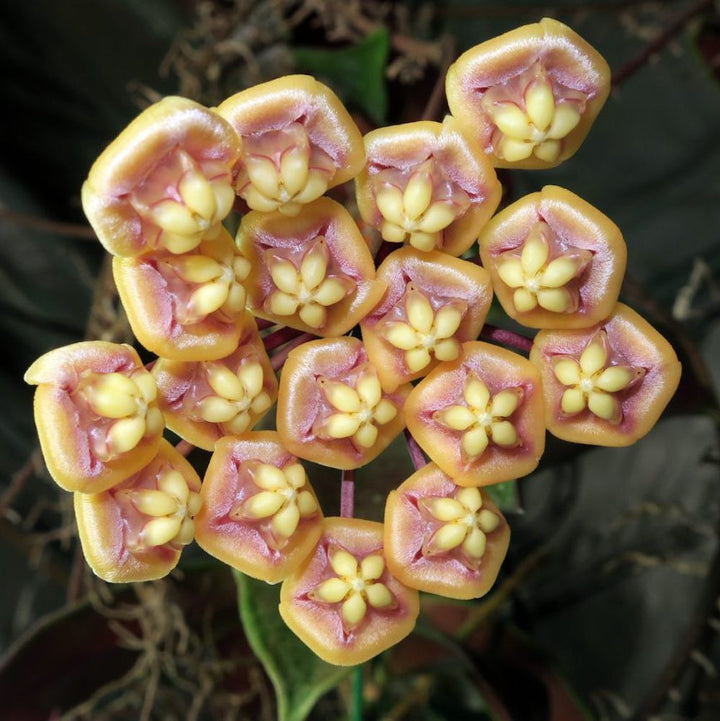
(157, 198)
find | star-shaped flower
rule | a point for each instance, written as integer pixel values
(172, 506)
(237, 395)
(282, 170)
(427, 332)
(284, 498)
(593, 381)
(483, 419)
(308, 292)
(214, 284)
(129, 402)
(465, 524)
(420, 208)
(186, 199)
(539, 127)
(538, 280)
(359, 410)
(355, 585)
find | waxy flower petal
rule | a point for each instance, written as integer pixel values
(313, 272)
(433, 303)
(164, 183)
(343, 602)
(96, 413)
(206, 400)
(135, 531)
(331, 406)
(555, 260)
(427, 184)
(298, 141)
(529, 96)
(606, 385)
(480, 417)
(189, 306)
(259, 514)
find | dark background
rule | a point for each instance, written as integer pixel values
(618, 602)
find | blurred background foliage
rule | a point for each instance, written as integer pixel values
(607, 607)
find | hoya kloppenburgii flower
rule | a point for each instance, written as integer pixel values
(165, 182)
(480, 417)
(555, 260)
(96, 413)
(136, 530)
(343, 601)
(331, 406)
(313, 272)
(428, 185)
(529, 96)
(186, 306)
(606, 385)
(298, 141)
(433, 304)
(202, 401)
(259, 512)
(443, 538)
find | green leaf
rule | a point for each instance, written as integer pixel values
(505, 495)
(300, 678)
(356, 73)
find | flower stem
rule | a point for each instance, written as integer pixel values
(184, 448)
(347, 494)
(356, 711)
(416, 454)
(278, 359)
(507, 337)
(281, 336)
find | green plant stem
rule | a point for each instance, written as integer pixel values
(356, 707)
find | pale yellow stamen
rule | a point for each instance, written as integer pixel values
(417, 213)
(309, 291)
(160, 531)
(465, 523)
(355, 586)
(236, 395)
(534, 123)
(484, 418)
(154, 503)
(361, 410)
(281, 170)
(171, 508)
(283, 500)
(125, 434)
(592, 382)
(536, 281)
(426, 331)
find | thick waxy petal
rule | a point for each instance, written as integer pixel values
(466, 569)
(310, 423)
(184, 319)
(346, 621)
(329, 141)
(135, 530)
(555, 260)
(96, 424)
(450, 414)
(427, 184)
(534, 86)
(313, 272)
(606, 385)
(205, 400)
(249, 519)
(457, 292)
(177, 145)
